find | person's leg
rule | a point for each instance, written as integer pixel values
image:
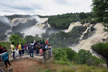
(8, 62)
(14, 55)
(35, 51)
(5, 63)
(20, 53)
(26, 51)
(32, 54)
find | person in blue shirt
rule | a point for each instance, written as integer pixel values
(5, 58)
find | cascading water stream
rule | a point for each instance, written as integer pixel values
(85, 32)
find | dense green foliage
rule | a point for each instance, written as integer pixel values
(69, 55)
(16, 39)
(96, 61)
(63, 21)
(82, 56)
(17, 16)
(102, 49)
(30, 38)
(63, 39)
(5, 44)
(64, 54)
(100, 9)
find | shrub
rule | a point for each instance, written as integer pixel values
(60, 54)
(64, 54)
(90, 62)
(94, 61)
(102, 49)
(82, 57)
(97, 60)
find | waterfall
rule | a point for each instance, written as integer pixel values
(85, 31)
(72, 25)
(96, 38)
(37, 28)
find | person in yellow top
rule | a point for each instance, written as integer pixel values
(20, 50)
(13, 49)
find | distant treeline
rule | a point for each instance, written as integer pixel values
(63, 21)
(16, 16)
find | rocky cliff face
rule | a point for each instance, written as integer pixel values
(98, 35)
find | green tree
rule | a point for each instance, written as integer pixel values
(63, 53)
(82, 56)
(5, 44)
(102, 49)
(29, 38)
(100, 9)
(16, 39)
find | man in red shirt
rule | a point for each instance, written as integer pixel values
(1, 49)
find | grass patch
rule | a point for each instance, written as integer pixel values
(66, 69)
(62, 62)
(56, 66)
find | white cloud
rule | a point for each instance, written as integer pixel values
(44, 7)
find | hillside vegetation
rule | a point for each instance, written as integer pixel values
(63, 21)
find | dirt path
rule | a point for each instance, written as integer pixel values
(23, 65)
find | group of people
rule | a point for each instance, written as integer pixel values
(39, 47)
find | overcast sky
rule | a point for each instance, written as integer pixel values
(43, 7)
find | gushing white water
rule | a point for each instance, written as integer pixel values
(96, 38)
(72, 25)
(85, 32)
(36, 29)
(33, 31)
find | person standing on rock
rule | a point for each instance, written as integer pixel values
(22, 47)
(5, 58)
(13, 49)
(26, 49)
(20, 50)
(31, 49)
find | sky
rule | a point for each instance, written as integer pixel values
(43, 7)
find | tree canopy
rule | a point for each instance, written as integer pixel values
(100, 9)
(16, 39)
(63, 21)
